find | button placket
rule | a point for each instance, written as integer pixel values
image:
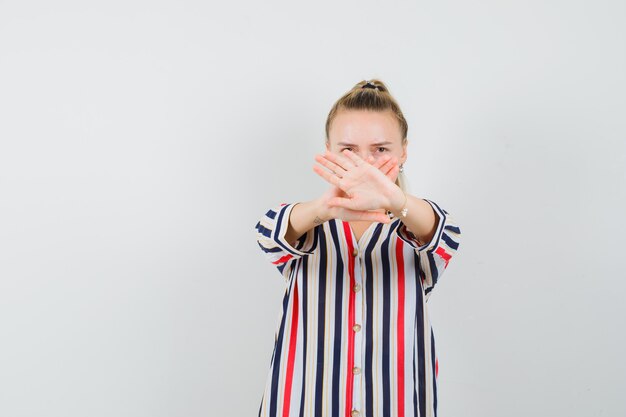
(358, 338)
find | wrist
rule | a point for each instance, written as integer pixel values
(397, 201)
(320, 211)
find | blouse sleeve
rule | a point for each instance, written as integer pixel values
(270, 235)
(435, 255)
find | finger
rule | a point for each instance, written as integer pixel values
(381, 218)
(372, 216)
(390, 170)
(386, 166)
(356, 159)
(381, 161)
(342, 202)
(340, 160)
(392, 174)
(330, 165)
(331, 178)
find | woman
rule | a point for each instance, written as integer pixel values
(359, 263)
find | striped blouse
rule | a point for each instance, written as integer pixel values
(354, 338)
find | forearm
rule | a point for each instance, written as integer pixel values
(421, 219)
(304, 217)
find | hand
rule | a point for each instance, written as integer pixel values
(359, 185)
(333, 212)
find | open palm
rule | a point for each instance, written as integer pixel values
(359, 186)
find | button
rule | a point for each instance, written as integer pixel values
(357, 287)
(355, 413)
(356, 370)
(356, 327)
(355, 252)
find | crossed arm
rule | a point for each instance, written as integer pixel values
(361, 191)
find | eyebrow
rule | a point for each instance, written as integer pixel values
(373, 144)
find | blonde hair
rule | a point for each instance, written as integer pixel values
(371, 95)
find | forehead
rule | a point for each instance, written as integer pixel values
(364, 126)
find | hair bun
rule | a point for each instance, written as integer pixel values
(368, 84)
(374, 84)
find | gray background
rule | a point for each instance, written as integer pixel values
(142, 140)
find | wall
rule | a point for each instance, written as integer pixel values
(141, 141)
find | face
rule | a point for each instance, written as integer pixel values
(366, 133)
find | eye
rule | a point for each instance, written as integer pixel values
(382, 149)
(350, 149)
